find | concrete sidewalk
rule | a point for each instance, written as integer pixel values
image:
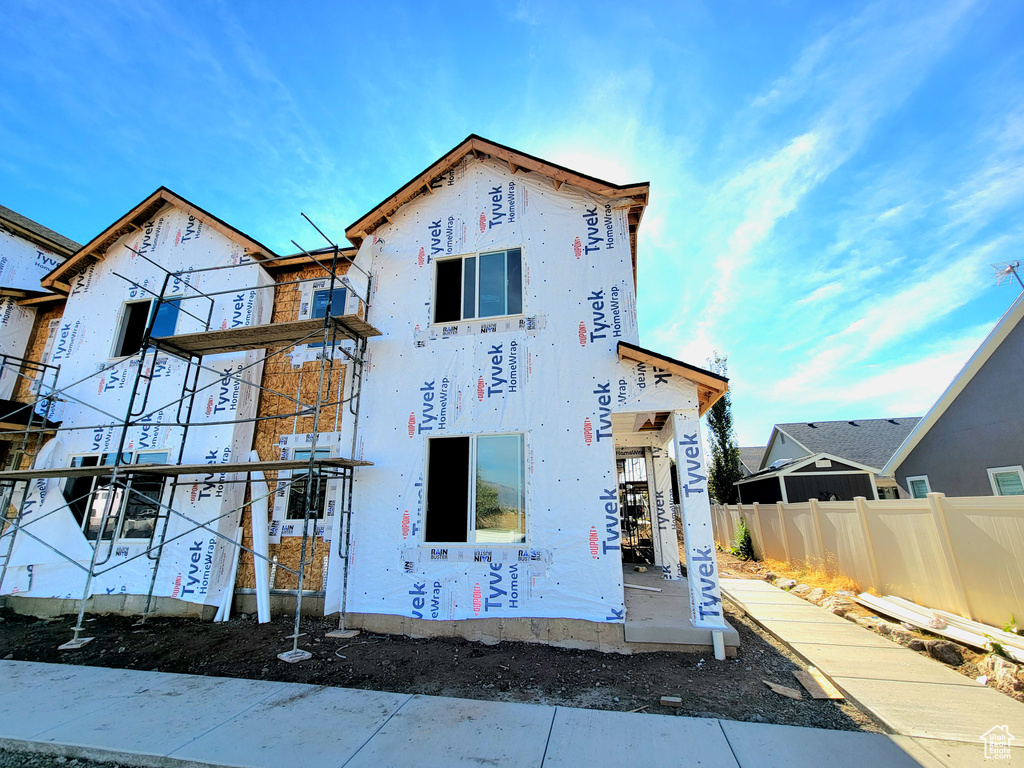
(929, 705)
(159, 719)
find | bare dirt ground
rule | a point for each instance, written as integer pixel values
(509, 671)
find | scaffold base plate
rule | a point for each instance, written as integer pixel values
(293, 657)
(72, 645)
(343, 634)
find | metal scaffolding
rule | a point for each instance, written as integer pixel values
(31, 420)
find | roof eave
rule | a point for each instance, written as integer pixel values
(711, 387)
(132, 220)
(996, 336)
(477, 145)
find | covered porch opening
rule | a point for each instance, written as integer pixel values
(655, 585)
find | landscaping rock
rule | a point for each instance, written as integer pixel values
(944, 651)
(784, 583)
(901, 636)
(770, 576)
(800, 590)
(838, 604)
(816, 595)
(916, 644)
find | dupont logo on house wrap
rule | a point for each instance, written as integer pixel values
(588, 431)
(478, 601)
(583, 334)
(577, 247)
(405, 524)
(595, 543)
(412, 424)
(422, 258)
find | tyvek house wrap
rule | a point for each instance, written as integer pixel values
(551, 373)
(194, 566)
(15, 328)
(22, 263)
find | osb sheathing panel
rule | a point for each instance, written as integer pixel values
(301, 383)
(37, 343)
(288, 554)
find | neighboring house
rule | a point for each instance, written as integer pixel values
(971, 442)
(750, 459)
(506, 440)
(835, 460)
(28, 251)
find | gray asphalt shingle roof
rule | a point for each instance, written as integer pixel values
(868, 441)
(23, 222)
(751, 457)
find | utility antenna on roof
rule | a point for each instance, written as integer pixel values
(1005, 270)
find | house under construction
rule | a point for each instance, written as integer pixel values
(445, 427)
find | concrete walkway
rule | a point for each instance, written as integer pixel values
(159, 719)
(931, 706)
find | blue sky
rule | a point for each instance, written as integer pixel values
(830, 182)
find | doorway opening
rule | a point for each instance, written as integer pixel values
(635, 511)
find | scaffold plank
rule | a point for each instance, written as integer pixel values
(170, 470)
(271, 335)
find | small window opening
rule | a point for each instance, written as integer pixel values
(133, 328)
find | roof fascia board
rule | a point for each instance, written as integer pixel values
(364, 225)
(710, 386)
(793, 439)
(53, 279)
(981, 355)
(803, 462)
(35, 238)
(831, 457)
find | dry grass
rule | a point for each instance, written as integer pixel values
(824, 576)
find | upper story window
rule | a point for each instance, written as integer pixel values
(318, 306)
(483, 285)
(134, 318)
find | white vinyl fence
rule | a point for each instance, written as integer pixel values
(964, 555)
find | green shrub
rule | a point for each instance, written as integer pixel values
(742, 546)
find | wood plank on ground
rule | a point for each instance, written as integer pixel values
(817, 684)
